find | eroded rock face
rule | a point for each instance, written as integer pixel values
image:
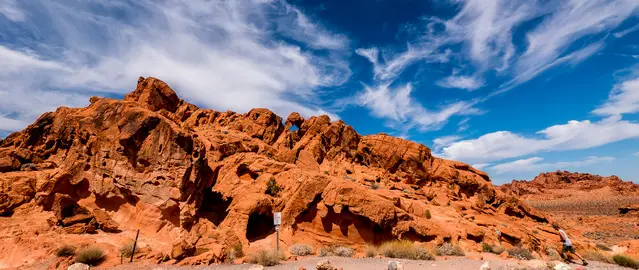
(564, 180)
(204, 181)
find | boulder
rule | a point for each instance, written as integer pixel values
(395, 265)
(325, 265)
(78, 266)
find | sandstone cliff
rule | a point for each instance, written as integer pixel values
(198, 182)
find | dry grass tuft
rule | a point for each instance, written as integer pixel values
(405, 250)
(266, 257)
(301, 250)
(448, 249)
(592, 255)
(126, 250)
(520, 253)
(625, 261)
(336, 250)
(90, 255)
(65, 251)
(371, 251)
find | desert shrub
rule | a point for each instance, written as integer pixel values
(301, 250)
(326, 172)
(520, 253)
(340, 251)
(272, 188)
(625, 261)
(405, 250)
(371, 251)
(90, 255)
(343, 252)
(603, 247)
(485, 247)
(448, 249)
(553, 254)
(127, 248)
(428, 216)
(65, 251)
(238, 251)
(266, 257)
(596, 256)
(374, 185)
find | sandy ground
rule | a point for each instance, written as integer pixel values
(372, 263)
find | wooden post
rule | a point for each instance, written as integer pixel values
(134, 245)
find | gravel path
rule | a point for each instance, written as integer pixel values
(372, 263)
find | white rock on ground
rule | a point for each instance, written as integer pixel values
(485, 266)
(395, 265)
(536, 264)
(256, 267)
(78, 266)
(325, 265)
(562, 266)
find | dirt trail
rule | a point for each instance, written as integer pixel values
(373, 263)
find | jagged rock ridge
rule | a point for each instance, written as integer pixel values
(208, 180)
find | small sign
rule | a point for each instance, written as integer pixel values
(277, 218)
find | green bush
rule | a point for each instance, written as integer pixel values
(448, 249)
(428, 216)
(272, 188)
(266, 257)
(238, 250)
(625, 261)
(65, 251)
(405, 250)
(301, 250)
(485, 247)
(90, 255)
(520, 253)
(126, 250)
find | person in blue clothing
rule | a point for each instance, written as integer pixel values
(567, 244)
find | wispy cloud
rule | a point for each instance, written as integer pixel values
(219, 54)
(9, 8)
(404, 112)
(461, 82)
(441, 142)
(624, 98)
(624, 32)
(535, 164)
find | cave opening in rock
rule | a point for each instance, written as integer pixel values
(214, 206)
(260, 225)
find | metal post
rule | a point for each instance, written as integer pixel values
(277, 233)
(134, 244)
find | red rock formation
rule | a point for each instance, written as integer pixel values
(564, 183)
(198, 182)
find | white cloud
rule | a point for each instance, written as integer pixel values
(624, 32)
(571, 136)
(572, 20)
(9, 8)
(624, 98)
(441, 142)
(480, 166)
(404, 112)
(461, 82)
(219, 54)
(636, 154)
(463, 125)
(534, 164)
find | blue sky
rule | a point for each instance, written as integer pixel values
(512, 87)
